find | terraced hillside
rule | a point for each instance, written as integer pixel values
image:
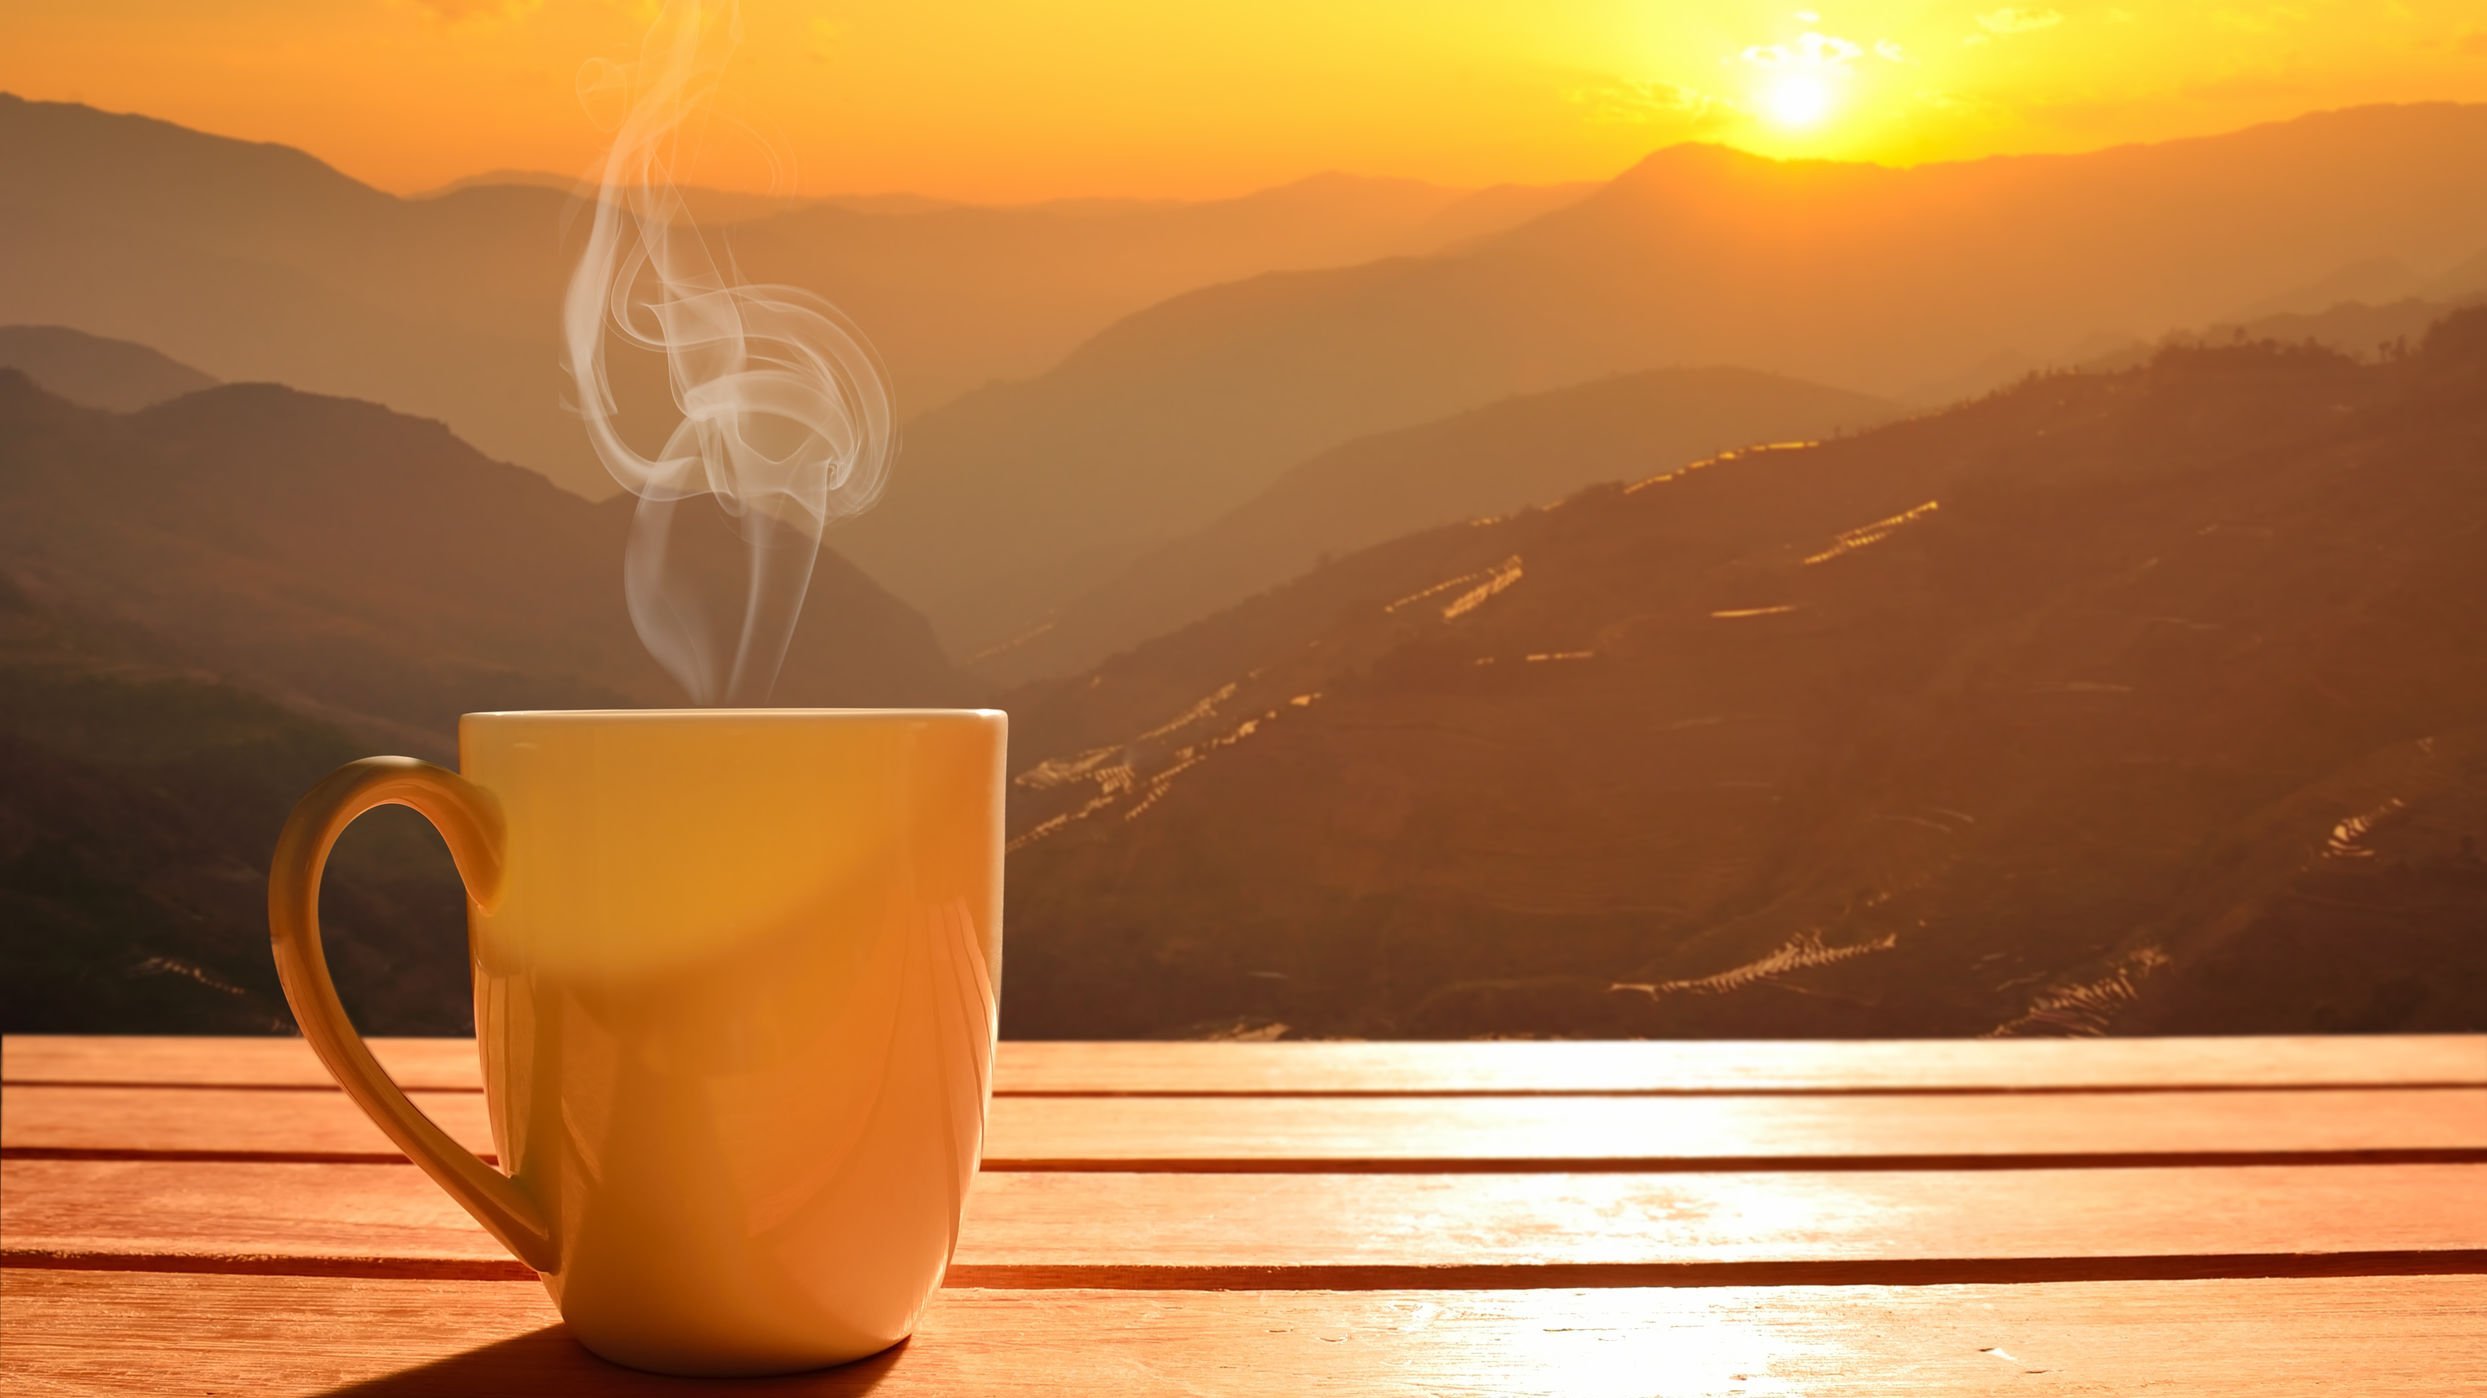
(2152, 700)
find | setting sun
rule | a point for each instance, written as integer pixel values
(1803, 83)
(1797, 100)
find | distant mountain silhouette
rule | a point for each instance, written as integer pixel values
(1531, 450)
(2465, 280)
(1492, 210)
(2375, 280)
(2152, 701)
(1015, 498)
(370, 569)
(93, 371)
(207, 605)
(706, 205)
(2354, 328)
(259, 262)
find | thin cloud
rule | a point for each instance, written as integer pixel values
(2012, 19)
(1626, 103)
(1820, 50)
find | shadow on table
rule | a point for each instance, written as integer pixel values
(548, 1362)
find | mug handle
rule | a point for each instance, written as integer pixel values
(469, 821)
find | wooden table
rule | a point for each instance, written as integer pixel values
(2243, 1216)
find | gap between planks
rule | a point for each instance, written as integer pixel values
(1936, 1271)
(85, 1333)
(1398, 1134)
(1655, 1068)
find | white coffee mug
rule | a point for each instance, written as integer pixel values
(736, 987)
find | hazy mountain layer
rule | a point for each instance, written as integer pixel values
(371, 568)
(1017, 498)
(95, 372)
(259, 262)
(2147, 701)
(1531, 450)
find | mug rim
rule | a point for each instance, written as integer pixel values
(694, 714)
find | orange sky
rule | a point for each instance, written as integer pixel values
(1023, 99)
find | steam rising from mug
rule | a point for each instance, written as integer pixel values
(783, 411)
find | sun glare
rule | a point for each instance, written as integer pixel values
(1797, 100)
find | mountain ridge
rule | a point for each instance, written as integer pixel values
(1869, 277)
(354, 561)
(93, 371)
(254, 264)
(2141, 701)
(1523, 452)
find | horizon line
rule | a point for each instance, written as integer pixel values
(505, 177)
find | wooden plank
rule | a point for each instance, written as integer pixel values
(1369, 1230)
(82, 1333)
(1192, 1133)
(1714, 1066)
(434, 1065)
(1732, 1132)
(1349, 1069)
